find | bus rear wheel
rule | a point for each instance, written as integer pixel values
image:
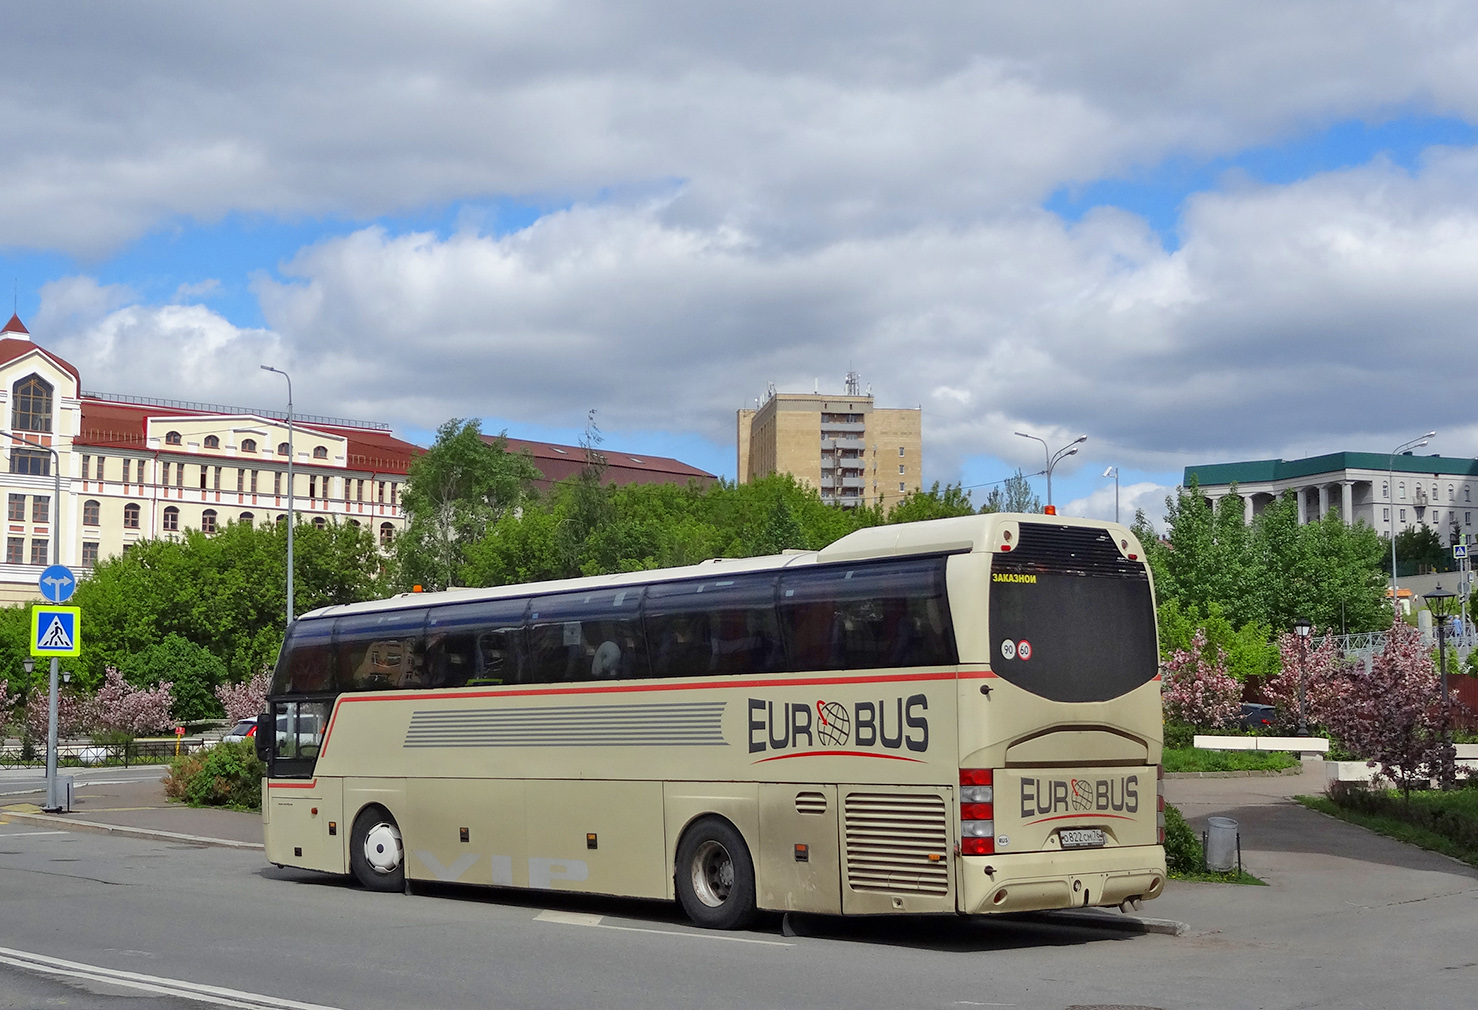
(715, 875)
(376, 854)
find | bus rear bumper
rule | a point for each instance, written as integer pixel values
(1028, 881)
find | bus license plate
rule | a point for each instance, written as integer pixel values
(1081, 838)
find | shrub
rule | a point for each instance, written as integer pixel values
(1183, 853)
(1179, 735)
(1197, 689)
(227, 775)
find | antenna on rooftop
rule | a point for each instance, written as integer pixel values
(854, 384)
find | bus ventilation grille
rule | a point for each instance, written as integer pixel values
(810, 803)
(890, 837)
(1067, 550)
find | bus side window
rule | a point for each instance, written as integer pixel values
(723, 627)
(595, 635)
(476, 644)
(381, 651)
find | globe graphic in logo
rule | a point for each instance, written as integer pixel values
(835, 726)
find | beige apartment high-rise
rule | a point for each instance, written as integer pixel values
(853, 452)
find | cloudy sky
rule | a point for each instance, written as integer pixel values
(1192, 232)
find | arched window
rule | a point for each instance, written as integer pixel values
(248, 445)
(131, 516)
(208, 521)
(91, 510)
(212, 442)
(1385, 489)
(1467, 493)
(354, 523)
(171, 518)
(31, 404)
(1451, 493)
(282, 519)
(172, 438)
(387, 534)
(282, 449)
(320, 452)
(320, 522)
(1402, 488)
(247, 518)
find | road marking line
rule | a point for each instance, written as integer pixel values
(151, 983)
(588, 919)
(30, 834)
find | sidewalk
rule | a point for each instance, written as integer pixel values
(140, 804)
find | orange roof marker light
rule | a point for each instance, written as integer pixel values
(417, 588)
(1049, 510)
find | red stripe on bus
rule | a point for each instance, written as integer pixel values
(292, 785)
(528, 692)
(838, 753)
(1063, 817)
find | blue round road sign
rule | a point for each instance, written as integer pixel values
(57, 584)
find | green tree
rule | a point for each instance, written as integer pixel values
(454, 493)
(1419, 549)
(1014, 495)
(932, 504)
(193, 670)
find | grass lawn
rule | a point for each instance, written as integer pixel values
(1218, 878)
(1193, 759)
(1450, 810)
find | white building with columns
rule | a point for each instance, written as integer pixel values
(1387, 493)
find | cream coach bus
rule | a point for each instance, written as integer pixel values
(960, 715)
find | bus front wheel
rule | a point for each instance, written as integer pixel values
(715, 875)
(376, 854)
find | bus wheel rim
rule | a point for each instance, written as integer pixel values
(382, 847)
(713, 874)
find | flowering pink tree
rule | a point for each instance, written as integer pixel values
(244, 700)
(7, 705)
(119, 707)
(1198, 690)
(1324, 675)
(1393, 715)
(73, 715)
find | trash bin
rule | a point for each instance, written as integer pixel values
(1221, 844)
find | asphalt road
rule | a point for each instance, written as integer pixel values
(1350, 920)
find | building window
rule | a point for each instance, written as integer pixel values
(359, 490)
(212, 442)
(312, 487)
(319, 452)
(1451, 493)
(41, 509)
(17, 508)
(246, 518)
(172, 438)
(91, 511)
(282, 449)
(15, 550)
(31, 404)
(248, 445)
(203, 475)
(320, 522)
(127, 466)
(354, 523)
(1385, 489)
(31, 461)
(171, 519)
(38, 552)
(208, 521)
(1467, 519)
(131, 516)
(282, 519)
(1403, 515)
(163, 469)
(900, 450)
(1401, 490)
(254, 482)
(382, 493)
(901, 468)
(387, 534)
(900, 486)
(240, 480)
(89, 554)
(179, 475)
(101, 459)
(277, 482)
(1385, 515)
(86, 466)
(394, 490)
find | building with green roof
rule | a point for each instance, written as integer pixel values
(1385, 492)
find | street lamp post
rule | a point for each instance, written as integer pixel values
(1303, 628)
(53, 803)
(1113, 472)
(291, 518)
(1437, 604)
(1415, 443)
(1053, 458)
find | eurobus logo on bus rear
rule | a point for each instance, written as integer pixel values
(887, 724)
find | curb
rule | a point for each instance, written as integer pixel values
(1093, 919)
(123, 831)
(1267, 773)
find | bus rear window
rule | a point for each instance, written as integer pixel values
(1071, 619)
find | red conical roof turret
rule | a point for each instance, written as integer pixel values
(16, 326)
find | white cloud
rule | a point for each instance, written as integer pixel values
(1146, 495)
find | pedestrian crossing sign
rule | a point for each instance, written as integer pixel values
(56, 631)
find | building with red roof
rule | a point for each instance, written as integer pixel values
(559, 462)
(134, 468)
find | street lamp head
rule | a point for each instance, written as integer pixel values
(1080, 438)
(29, 664)
(1437, 600)
(1112, 471)
(1303, 627)
(66, 676)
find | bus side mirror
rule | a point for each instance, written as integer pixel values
(266, 731)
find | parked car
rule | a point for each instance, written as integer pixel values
(243, 730)
(1256, 716)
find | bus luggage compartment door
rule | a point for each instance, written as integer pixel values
(300, 817)
(897, 849)
(799, 858)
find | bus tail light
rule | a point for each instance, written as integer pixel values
(977, 812)
(1160, 803)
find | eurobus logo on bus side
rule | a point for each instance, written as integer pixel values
(890, 724)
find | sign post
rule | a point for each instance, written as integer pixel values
(55, 632)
